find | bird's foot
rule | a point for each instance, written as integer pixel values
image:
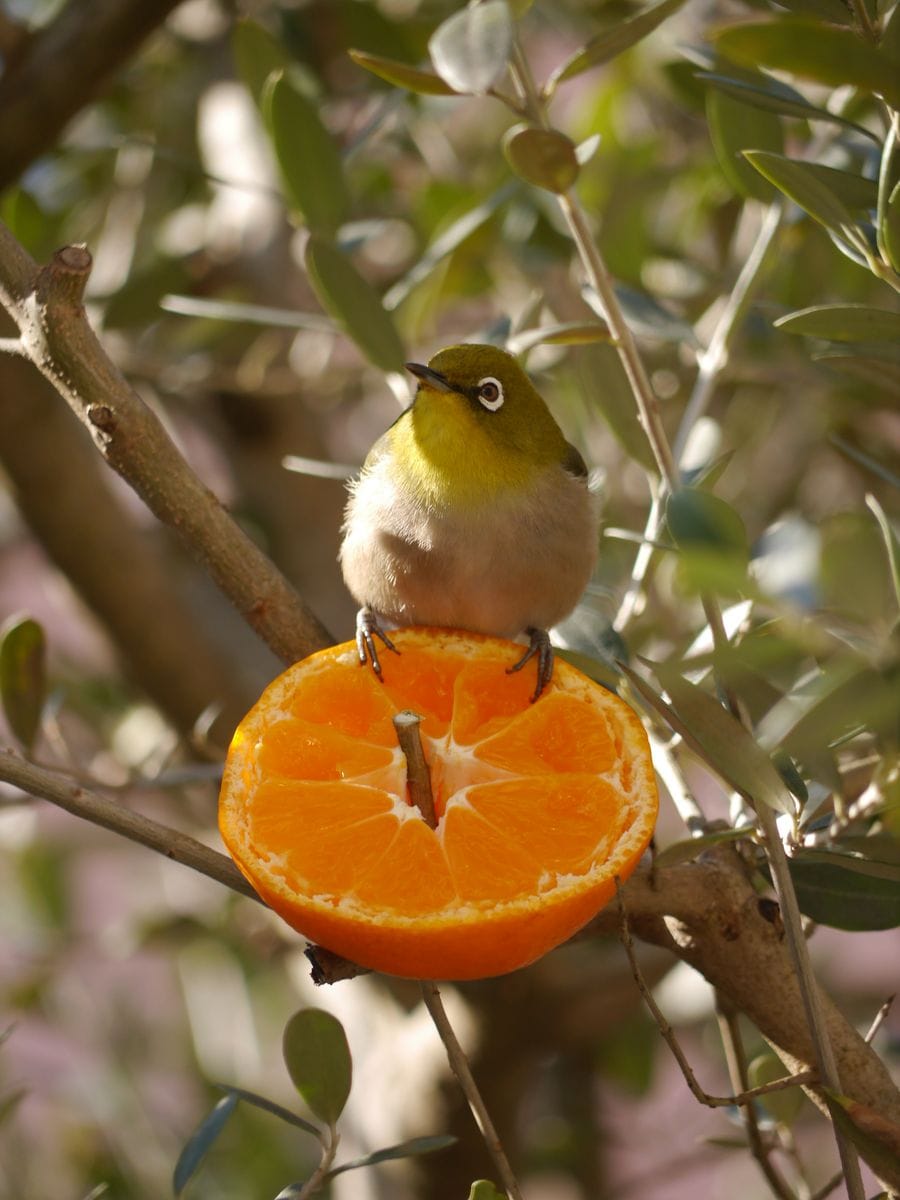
(368, 628)
(538, 645)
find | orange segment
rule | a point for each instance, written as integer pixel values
(541, 806)
(411, 876)
(483, 863)
(559, 734)
(424, 682)
(298, 749)
(487, 696)
(564, 820)
(348, 697)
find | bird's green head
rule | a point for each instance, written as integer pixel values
(479, 422)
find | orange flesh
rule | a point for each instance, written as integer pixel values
(540, 805)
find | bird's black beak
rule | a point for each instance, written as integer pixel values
(431, 379)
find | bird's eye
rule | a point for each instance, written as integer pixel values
(490, 393)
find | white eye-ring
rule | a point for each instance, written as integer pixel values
(490, 393)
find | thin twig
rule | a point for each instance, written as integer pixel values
(668, 1034)
(827, 1188)
(12, 346)
(418, 776)
(315, 1181)
(878, 1019)
(80, 802)
(736, 1061)
(459, 1065)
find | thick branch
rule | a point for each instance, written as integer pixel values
(123, 571)
(62, 67)
(56, 336)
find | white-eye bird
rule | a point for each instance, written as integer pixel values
(472, 511)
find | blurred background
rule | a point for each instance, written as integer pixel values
(129, 987)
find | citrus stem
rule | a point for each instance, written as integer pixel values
(418, 777)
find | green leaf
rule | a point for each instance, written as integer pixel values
(843, 323)
(890, 38)
(614, 399)
(470, 50)
(543, 157)
(735, 126)
(646, 317)
(812, 50)
(619, 36)
(257, 53)
(569, 333)
(691, 848)
(783, 1106)
(773, 96)
(23, 679)
(890, 228)
(446, 242)
(483, 1189)
(197, 1147)
(269, 1106)
(711, 538)
(409, 1149)
(873, 364)
(353, 303)
(891, 542)
(318, 1061)
(842, 891)
(857, 193)
(400, 74)
(307, 156)
(716, 737)
(807, 189)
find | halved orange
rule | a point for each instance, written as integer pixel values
(540, 805)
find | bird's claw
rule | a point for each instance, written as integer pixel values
(538, 645)
(368, 627)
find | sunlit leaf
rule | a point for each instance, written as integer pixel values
(619, 36)
(806, 188)
(446, 242)
(891, 542)
(716, 737)
(199, 1144)
(354, 304)
(23, 679)
(470, 50)
(691, 848)
(890, 228)
(783, 1106)
(843, 891)
(257, 53)
(253, 314)
(736, 126)
(410, 1149)
(544, 157)
(776, 97)
(844, 323)
(569, 333)
(318, 1061)
(307, 156)
(400, 74)
(812, 50)
(483, 1189)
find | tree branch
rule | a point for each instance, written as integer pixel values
(61, 487)
(58, 69)
(707, 912)
(54, 330)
